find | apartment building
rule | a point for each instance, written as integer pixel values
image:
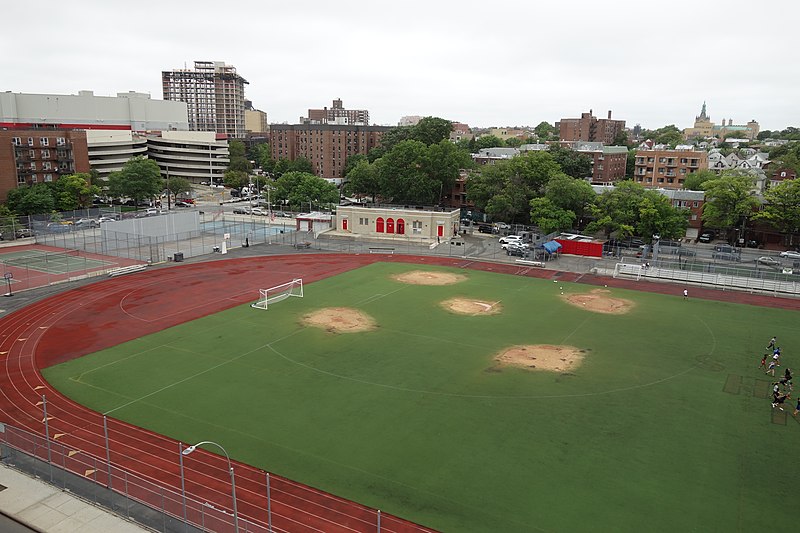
(40, 155)
(608, 162)
(214, 96)
(327, 146)
(668, 168)
(337, 114)
(590, 128)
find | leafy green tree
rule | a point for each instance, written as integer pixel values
(782, 209)
(514, 142)
(263, 157)
(444, 163)
(301, 164)
(140, 178)
(570, 194)
(621, 139)
(488, 141)
(300, 188)
(729, 199)
(432, 130)
(403, 176)
(363, 179)
(549, 217)
(630, 209)
(545, 131)
(630, 164)
(32, 200)
(695, 180)
(573, 163)
(236, 179)
(175, 186)
(74, 191)
(669, 135)
(352, 161)
(238, 157)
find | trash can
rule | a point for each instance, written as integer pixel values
(178, 257)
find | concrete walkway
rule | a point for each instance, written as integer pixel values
(43, 507)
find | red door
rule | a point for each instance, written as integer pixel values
(440, 231)
(379, 225)
(401, 226)
(344, 224)
(389, 225)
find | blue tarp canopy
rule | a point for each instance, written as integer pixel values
(551, 246)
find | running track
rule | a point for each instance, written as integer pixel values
(99, 315)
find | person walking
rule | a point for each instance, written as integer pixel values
(778, 401)
(685, 294)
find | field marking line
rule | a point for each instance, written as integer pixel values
(376, 297)
(197, 374)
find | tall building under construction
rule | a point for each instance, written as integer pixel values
(213, 93)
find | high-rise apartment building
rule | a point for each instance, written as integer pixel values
(668, 169)
(590, 128)
(337, 114)
(213, 93)
(327, 146)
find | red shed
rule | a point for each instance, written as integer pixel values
(580, 245)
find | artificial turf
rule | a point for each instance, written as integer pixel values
(416, 419)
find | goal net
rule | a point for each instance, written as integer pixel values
(278, 293)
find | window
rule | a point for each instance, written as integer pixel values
(696, 204)
(44, 141)
(48, 177)
(416, 226)
(31, 153)
(33, 165)
(34, 178)
(16, 141)
(30, 141)
(20, 179)
(45, 154)
(661, 170)
(47, 165)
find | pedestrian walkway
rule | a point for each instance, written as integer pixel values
(43, 507)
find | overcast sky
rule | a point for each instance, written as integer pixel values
(480, 62)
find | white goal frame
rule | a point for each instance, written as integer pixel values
(278, 293)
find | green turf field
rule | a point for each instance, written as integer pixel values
(661, 428)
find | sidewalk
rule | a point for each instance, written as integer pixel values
(46, 508)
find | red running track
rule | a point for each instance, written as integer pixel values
(104, 314)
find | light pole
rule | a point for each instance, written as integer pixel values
(190, 449)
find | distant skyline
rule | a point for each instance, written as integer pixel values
(512, 64)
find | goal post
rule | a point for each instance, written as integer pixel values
(278, 293)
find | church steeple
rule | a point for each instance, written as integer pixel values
(703, 115)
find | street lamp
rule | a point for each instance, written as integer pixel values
(190, 449)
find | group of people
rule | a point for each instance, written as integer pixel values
(781, 389)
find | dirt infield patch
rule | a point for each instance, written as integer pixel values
(424, 277)
(542, 357)
(468, 306)
(340, 320)
(599, 301)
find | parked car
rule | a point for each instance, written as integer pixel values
(23, 233)
(87, 222)
(258, 211)
(517, 244)
(244, 210)
(182, 203)
(518, 250)
(706, 236)
(510, 238)
(282, 214)
(103, 219)
(58, 227)
(791, 254)
(768, 260)
(485, 228)
(502, 225)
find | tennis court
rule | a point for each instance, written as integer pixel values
(31, 266)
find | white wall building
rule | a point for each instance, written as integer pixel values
(197, 156)
(130, 111)
(109, 150)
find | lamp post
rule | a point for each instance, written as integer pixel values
(190, 449)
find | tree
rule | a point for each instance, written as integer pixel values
(238, 157)
(403, 176)
(301, 164)
(695, 180)
(299, 188)
(669, 135)
(544, 131)
(74, 191)
(729, 199)
(444, 162)
(262, 155)
(363, 179)
(488, 141)
(432, 130)
(573, 163)
(139, 178)
(782, 209)
(570, 194)
(514, 142)
(236, 179)
(352, 161)
(630, 164)
(32, 200)
(630, 209)
(175, 186)
(549, 217)
(621, 138)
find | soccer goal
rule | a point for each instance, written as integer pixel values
(278, 293)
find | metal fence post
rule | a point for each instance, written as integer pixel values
(183, 485)
(379, 521)
(47, 436)
(108, 452)
(269, 506)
